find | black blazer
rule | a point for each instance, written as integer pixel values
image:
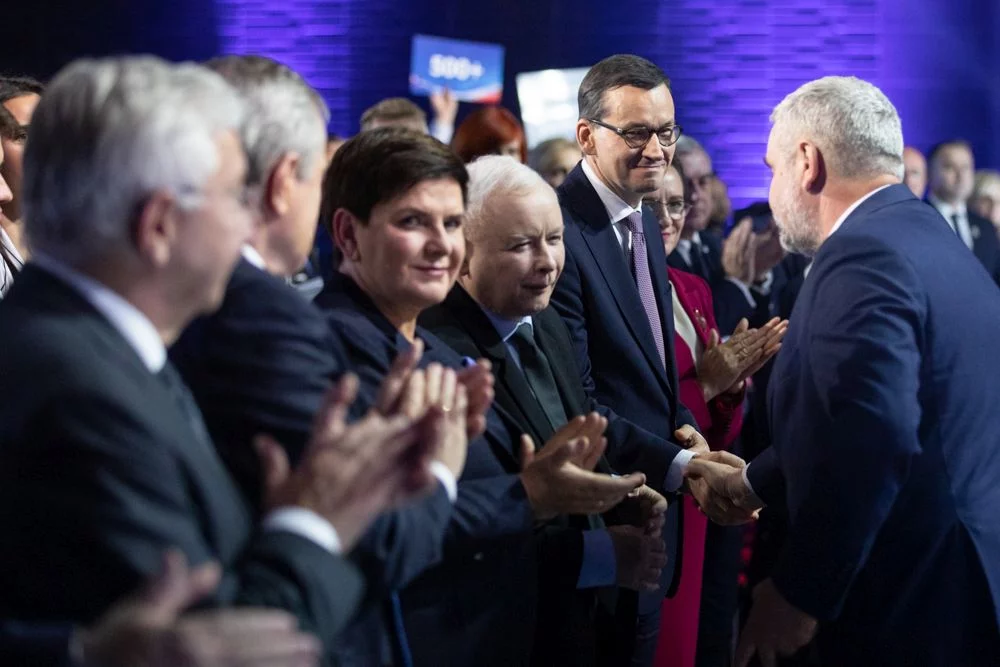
(35, 644)
(985, 244)
(101, 472)
(261, 364)
(619, 366)
(478, 606)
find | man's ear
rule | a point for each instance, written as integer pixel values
(813, 166)
(344, 227)
(156, 228)
(464, 271)
(279, 189)
(585, 137)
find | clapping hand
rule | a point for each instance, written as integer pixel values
(724, 367)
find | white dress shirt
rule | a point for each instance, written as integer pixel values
(955, 215)
(618, 210)
(140, 333)
(840, 221)
(8, 253)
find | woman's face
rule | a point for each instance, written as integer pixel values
(409, 254)
(670, 208)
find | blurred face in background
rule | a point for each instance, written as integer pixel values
(986, 200)
(670, 208)
(563, 161)
(915, 171)
(951, 174)
(697, 168)
(21, 108)
(629, 172)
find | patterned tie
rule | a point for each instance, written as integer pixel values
(538, 373)
(644, 281)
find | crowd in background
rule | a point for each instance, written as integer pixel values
(489, 411)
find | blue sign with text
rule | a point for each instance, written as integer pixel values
(473, 71)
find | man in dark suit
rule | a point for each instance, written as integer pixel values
(613, 294)
(499, 310)
(105, 462)
(263, 362)
(882, 408)
(394, 201)
(952, 169)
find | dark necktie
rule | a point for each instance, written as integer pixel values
(954, 225)
(698, 266)
(644, 281)
(538, 372)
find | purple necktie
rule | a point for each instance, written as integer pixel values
(644, 281)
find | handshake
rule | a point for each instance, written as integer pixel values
(715, 481)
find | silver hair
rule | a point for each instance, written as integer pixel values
(850, 120)
(686, 145)
(108, 134)
(495, 175)
(284, 114)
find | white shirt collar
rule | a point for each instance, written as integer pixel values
(251, 255)
(9, 246)
(853, 207)
(947, 210)
(616, 207)
(506, 328)
(128, 320)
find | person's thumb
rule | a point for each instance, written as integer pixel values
(274, 465)
(527, 451)
(177, 587)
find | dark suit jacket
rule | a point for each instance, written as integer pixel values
(619, 365)
(35, 644)
(985, 244)
(101, 472)
(463, 325)
(885, 428)
(262, 364)
(478, 606)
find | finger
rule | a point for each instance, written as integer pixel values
(275, 468)
(332, 415)
(745, 650)
(570, 430)
(177, 587)
(432, 389)
(449, 383)
(413, 403)
(392, 387)
(527, 451)
(713, 339)
(724, 457)
(742, 326)
(243, 621)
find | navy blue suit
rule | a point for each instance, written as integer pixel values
(619, 363)
(262, 364)
(35, 644)
(883, 410)
(477, 607)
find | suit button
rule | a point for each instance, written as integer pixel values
(477, 556)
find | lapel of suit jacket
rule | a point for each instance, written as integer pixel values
(513, 393)
(599, 236)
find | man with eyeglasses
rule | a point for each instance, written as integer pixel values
(614, 295)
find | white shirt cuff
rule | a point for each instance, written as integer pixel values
(675, 475)
(304, 523)
(764, 286)
(447, 479)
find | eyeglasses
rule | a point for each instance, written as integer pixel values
(638, 137)
(675, 208)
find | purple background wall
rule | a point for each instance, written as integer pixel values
(730, 60)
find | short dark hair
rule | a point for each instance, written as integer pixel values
(10, 129)
(378, 165)
(18, 86)
(615, 72)
(938, 147)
